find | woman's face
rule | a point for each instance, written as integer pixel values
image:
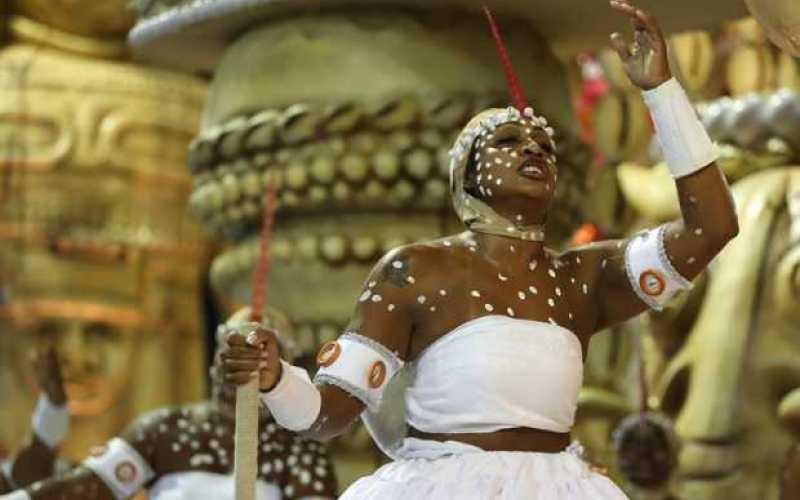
(516, 160)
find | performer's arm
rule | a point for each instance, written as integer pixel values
(355, 369)
(50, 425)
(648, 269)
(117, 470)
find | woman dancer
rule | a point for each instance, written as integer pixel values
(464, 355)
(186, 453)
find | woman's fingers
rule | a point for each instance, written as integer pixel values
(239, 365)
(243, 353)
(238, 378)
(620, 46)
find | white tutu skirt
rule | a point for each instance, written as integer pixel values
(484, 475)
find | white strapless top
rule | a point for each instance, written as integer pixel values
(490, 373)
(192, 485)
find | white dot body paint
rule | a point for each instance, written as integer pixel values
(372, 284)
(397, 264)
(570, 316)
(551, 302)
(475, 293)
(551, 320)
(533, 290)
(572, 280)
(443, 293)
(501, 277)
(447, 243)
(521, 295)
(551, 272)
(499, 181)
(421, 299)
(365, 296)
(376, 298)
(698, 231)
(411, 280)
(433, 308)
(585, 289)
(604, 263)
(390, 307)
(489, 307)
(691, 260)
(532, 265)
(692, 199)
(510, 312)
(558, 291)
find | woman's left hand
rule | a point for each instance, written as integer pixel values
(47, 370)
(645, 61)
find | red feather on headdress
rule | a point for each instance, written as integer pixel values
(514, 87)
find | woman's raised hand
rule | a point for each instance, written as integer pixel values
(645, 61)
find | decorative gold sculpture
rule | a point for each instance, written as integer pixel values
(781, 19)
(100, 256)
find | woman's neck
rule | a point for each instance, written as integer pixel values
(502, 249)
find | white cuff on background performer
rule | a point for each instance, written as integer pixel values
(651, 274)
(684, 141)
(16, 495)
(295, 401)
(121, 467)
(50, 422)
(359, 365)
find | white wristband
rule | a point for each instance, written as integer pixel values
(684, 142)
(16, 495)
(50, 422)
(295, 402)
(120, 467)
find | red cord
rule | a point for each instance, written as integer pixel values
(514, 87)
(261, 273)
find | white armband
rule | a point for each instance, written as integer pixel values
(295, 402)
(16, 495)
(359, 365)
(684, 141)
(120, 467)
(650, 272)
(50, 422)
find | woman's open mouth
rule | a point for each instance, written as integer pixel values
(533, 170)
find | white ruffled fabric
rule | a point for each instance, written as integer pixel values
(482, 475)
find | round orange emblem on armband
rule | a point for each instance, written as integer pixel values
(652, 283)
(377, 374)
(125, 472)
(329, 353)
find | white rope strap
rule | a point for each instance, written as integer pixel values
(359, 365)
(120, 467)
(650, 271)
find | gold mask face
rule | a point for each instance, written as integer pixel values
(96, 353)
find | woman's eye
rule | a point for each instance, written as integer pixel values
(508, 142)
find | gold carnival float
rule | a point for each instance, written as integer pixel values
(98, 254)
